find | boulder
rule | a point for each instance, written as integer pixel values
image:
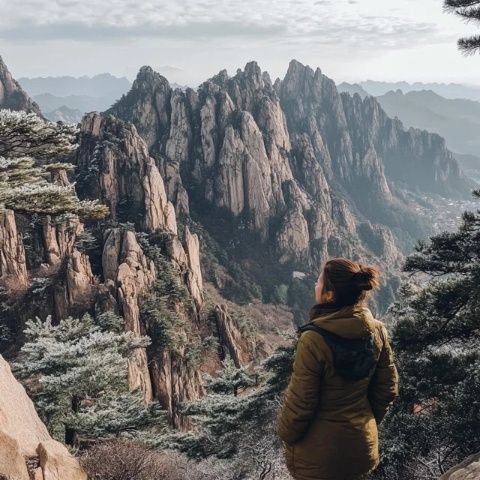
(469, 469)
(18, 418)
(12, 462)
(23, 437)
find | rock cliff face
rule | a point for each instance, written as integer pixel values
(295, 171)
(26, 448)
(116, 167)
(12, 96)
(130, 274)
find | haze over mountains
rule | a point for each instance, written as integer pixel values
(446, 90)
(451, 110)
(455, 119)
(68, 98)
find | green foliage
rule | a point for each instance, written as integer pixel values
(241, 288)
(24, 188)
(28, 148)
(436, 422)
(231, 380)
(167, 312)
(27, 134)
(280, 294)
(86, 242)
(77, 375)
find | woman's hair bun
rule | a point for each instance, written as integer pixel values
(367, 278)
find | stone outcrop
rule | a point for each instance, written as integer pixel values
(469, 469)
(130, 274)
(230, 338)
(115, 166)
(194, 274)
(56, 463)
(176, 382)
(13, 267)
(24, 437)
(12, 462)
(12, 96)
(59, 238)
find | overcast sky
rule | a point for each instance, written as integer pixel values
(190, 40)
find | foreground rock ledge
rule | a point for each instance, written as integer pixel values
(469, 469)
(24, 436)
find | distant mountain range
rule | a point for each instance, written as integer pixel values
(69, 97)
(446, 90)
(457, 120)
(451, 110)
(101, 85)
(352, 89)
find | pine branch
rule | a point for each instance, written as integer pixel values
(454, 4)
(469, 46)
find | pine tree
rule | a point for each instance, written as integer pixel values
(231, 380)
(76, 373)
(29, 150)
(436, 422)
(469, 10)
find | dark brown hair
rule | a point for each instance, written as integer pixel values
(346, 282)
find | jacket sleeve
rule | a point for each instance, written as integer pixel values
(302, 395)
(383, 387)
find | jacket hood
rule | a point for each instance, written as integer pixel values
(354, 321)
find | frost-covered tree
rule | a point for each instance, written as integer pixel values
(470, 11)
(436, 421)
(24, 134)
(76, 373)
(29, 167)
(231, 380)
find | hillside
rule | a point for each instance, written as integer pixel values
(458, 121)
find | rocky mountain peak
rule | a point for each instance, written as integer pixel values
(12, 96)
(148, 79)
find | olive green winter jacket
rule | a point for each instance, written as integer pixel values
(329, 424)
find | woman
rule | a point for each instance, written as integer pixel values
(344, 379)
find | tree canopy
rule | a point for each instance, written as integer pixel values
(76, 373)
(30, 150)
(436, 328)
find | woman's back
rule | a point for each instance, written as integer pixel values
(328, 422)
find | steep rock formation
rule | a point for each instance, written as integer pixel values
(131, 275)
(12, 96)
(116, 167)
(176, 382)
(230, 337)
(23, 438)
(194, 275)
(289, 173)
(13, 267)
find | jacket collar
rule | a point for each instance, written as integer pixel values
(353, 321)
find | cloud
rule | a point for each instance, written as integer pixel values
(293, 21)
